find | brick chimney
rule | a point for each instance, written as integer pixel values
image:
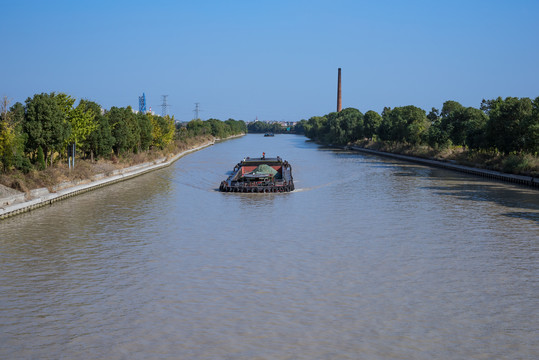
(339, 100)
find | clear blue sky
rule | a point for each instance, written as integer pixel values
(275, 60)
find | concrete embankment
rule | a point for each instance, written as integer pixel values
(21, 202)
(517, 179)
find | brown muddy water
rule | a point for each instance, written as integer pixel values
(370, 258)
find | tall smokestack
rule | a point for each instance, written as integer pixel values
(339, 100)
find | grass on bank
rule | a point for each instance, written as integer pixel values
(520, 164)
(86, 169)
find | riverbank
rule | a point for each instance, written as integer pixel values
(13, 202)
(491, 174)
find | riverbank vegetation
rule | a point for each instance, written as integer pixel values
(502, 135)
(262, 127)
(35, 138)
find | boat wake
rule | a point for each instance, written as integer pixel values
(331, 183)
(204, 185)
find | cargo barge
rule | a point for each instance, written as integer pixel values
(260, 175)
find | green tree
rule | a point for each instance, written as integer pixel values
(450, 106)
(455, 125)
(83, 122)
(532, 140)
(218, 128)
(406, 124)
(265, 127)
(82, 119)
(125, 129)
(476, 123)
(16, 122)
(40, 161)
(146, 130)
(451, 129)
(437, 137)
(459, 126)
(384, 130)
(134, 129)
(512, 124)
(333, 132)
(45, 124)
(7, 136)
(259, 127)
(300, 127)
(371, 123)
(65, 102)
(316, 127)
(99, 142)
(351, 121)
(343, 127)
(433, 115)
(198, 127)
(120, 131)
(236, 126)
(163, 130)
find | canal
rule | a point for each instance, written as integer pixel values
(369, 258)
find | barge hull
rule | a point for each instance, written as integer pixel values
(260, 175)
(256, 189)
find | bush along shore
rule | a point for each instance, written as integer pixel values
(11, 205)
(502, 135)
(35, 139)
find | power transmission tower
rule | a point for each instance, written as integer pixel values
(164, 106)
(142, 104)
(197, 110)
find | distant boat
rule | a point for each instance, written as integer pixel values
(260, 175)
(269, 134)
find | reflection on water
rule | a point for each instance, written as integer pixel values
(369, 258)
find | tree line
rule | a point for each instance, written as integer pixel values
(216, 128)
(509, 125)
(33, 135)
(265, 127)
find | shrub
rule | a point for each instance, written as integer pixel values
(40, 162)
(22, 163)
(518, 164)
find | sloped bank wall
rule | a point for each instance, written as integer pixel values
(517, 179)
(41, 197)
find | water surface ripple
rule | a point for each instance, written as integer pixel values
(369, 258)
